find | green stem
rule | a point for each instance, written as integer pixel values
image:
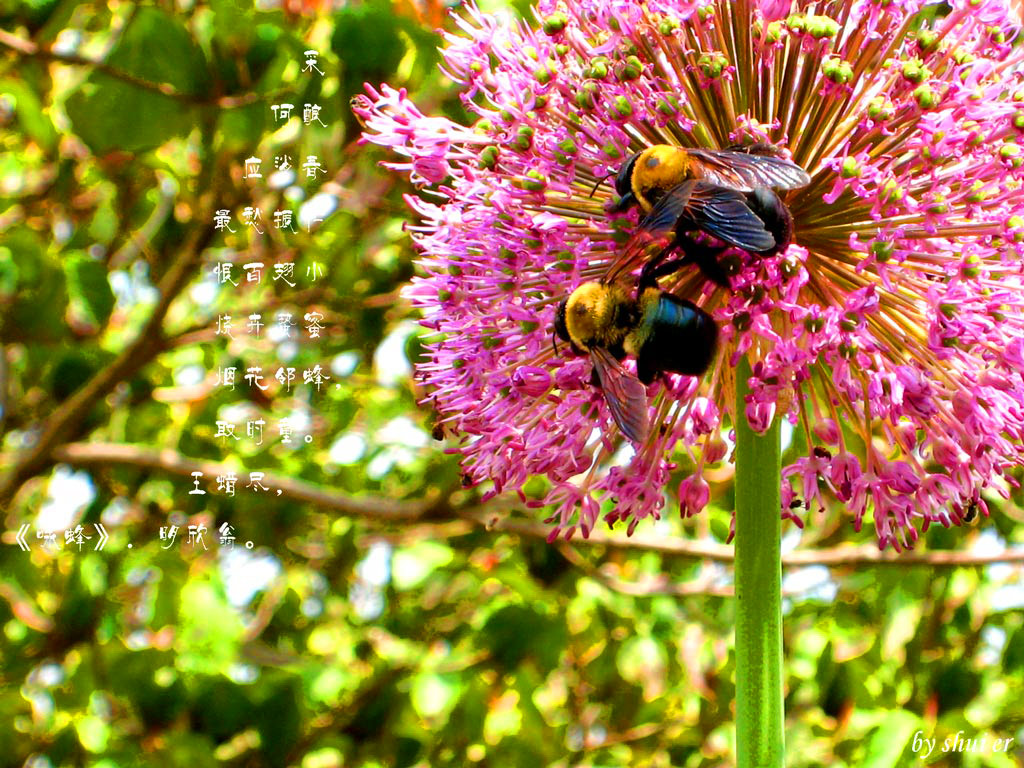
(759, 710)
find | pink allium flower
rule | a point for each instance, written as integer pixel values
(889, 334)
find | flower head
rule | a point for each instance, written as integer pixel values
(890, 333)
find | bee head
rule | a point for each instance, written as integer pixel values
(595, 314)
(559, 327)
(624, 185)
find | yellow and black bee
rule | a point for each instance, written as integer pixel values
(662, 180)
(653, 172)
(657, 226)
(663, 332)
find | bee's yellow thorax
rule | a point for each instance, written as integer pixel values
(660, 167)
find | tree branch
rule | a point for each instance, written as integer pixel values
(30, 49)
(167, 460)
(390, 510)
(66, 418)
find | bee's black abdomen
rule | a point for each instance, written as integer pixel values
(677, 337)
(768, 207)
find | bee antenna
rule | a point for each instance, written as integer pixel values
(600, 182)
(554, 341)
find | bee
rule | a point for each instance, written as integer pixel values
(970, 513)
(663, 332)
(653, 172)
(661, 180)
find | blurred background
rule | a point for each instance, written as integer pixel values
(262, 571)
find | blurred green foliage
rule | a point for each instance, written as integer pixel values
(375, 621)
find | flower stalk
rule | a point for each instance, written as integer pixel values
(759, 709)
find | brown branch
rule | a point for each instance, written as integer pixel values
(32, 50)
(200, 331)
(838, 557)
(435, 508)
(63, 422)
(167, 460)
(3, 388)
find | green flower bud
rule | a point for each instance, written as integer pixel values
(822, 27)
(598, 69)
(796, 22)
(882, 251)
(915, 71)
(488, 158)
(971, 267)
(535, 181)
(881, 109)
(927, 40)
(621, 108)
(837, 70)
(979, 193)
(668, 106)
(814, 324)
(555, 23)
(632, 69)
(712, 64)
(586, 97)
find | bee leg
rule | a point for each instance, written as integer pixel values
(706, 258)
(645, 370)
(650, 276)
(651, 271)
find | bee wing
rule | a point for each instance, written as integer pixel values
(656, 229)
(693, 205)
(633, 254)
(722, 212)
(625, 395)
(746, 170)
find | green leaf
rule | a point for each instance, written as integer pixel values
(29, 110)
(8, 274)
(221, 708)
(89, 288)
(412, 565)
(1013, 655)
(433, 696)
(147, 680)
(109, 113)
(373, 31)
(278, 720)
(885, 749)
(210, 627)
(93, 733)
(37, 312)
(643, 661)
(516, 631)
